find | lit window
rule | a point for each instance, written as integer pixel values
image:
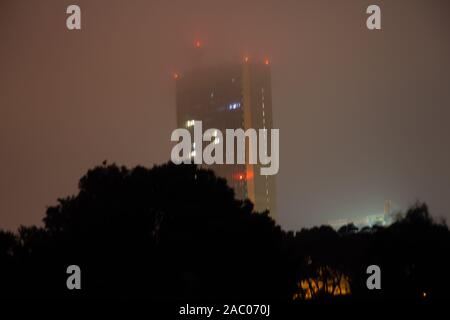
(234, 106)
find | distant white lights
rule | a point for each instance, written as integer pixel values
(234, 106)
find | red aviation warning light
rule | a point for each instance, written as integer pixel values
(239, 176)
(246, 59)
(176, 76)
(243, 176)
(266, 61)
(198, 44)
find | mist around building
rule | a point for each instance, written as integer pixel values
(208, 232)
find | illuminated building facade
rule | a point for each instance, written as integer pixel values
(381, 219)
(231, 96)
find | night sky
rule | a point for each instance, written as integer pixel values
(363, 115)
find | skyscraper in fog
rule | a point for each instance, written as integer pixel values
(231, 96)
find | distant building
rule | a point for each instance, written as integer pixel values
(231, 96)
(381, 219)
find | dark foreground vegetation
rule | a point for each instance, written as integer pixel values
(177, 232)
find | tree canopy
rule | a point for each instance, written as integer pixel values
(177, 232)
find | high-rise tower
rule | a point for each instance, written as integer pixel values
(231, 96)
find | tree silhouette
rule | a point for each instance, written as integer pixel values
(166, 232)
(177, 232)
